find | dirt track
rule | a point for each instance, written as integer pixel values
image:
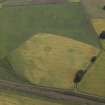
(52, 93)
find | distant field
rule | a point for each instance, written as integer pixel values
(29, 2)
(2, 1)
(94, 82)
(76, 1)
(94, 8)
(51, 60)
(20, 23)
(99, 25)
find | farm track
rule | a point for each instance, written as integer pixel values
(52, 93)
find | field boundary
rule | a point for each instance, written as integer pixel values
(31, 2)
(52, 93)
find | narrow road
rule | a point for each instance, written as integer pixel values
(52, 93)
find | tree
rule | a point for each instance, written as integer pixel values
(102, 35)
(78, 77)
(93, 59)
(104, 7)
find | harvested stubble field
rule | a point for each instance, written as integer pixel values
(51, 60)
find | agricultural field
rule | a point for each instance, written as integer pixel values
(7, 73)
(75, 1)
(99, 26)
(94, 8)
(20, 23)
(46, 57)
(17, 98)
(45, 45)
(94, 82)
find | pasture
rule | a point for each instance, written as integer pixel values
(7, 73)
(75, 1)
(21, 22)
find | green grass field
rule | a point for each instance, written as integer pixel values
(99, 26)
(7, 73)
(21, 22)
